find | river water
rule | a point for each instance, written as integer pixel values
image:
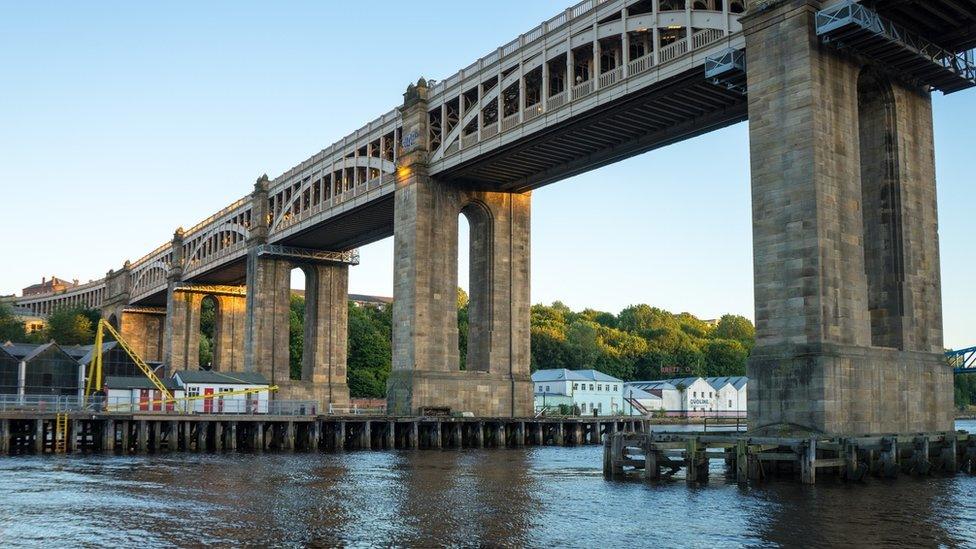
(534, 497)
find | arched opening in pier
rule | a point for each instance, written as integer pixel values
(474, 272)
(300, 282)
(208, 333)
(463, 286)
(881, 207)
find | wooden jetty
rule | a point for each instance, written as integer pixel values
(39, 433)
(654, 456)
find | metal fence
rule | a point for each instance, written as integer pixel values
(116, 405)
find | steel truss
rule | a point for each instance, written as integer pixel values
(727, 69)
(852, 26)
(350, 257)
(962, 361)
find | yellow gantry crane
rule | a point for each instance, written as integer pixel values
(95, 379)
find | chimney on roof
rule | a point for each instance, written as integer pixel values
(43, 279)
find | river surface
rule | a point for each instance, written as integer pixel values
(551, 497)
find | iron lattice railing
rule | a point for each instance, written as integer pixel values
(53, 404)
(851, 12)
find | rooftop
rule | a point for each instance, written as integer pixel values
(562, 374)
(223, 378)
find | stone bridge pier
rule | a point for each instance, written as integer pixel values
(323, 371)
(185, 303)
(848, 304)
(426, 366)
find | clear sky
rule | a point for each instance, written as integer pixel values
(120, 121)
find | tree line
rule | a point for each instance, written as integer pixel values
(641, 342)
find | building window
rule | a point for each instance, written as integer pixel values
(694, 394)
(547, 389)
(600, 406)
(614, 387)
(583, 407)
(192, 391)
(576, 386)
(709, 394)
(730, 403)
(599, 387)
(591, 386)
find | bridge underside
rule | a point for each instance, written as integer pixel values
(683, 107)
(949, 23)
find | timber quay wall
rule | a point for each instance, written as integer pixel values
(40, 433)
(657, 456)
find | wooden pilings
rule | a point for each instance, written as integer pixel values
(148, 433)
(754, 458)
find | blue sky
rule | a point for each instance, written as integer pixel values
(120, 121)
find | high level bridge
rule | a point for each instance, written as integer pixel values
(837, 94)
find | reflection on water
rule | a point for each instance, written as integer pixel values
(537, 496)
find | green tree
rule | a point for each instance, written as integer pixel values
(70, 326)
(370, 352)
(296, 335)
(724, 357)
(208, 329)
(736, 327)
(11, 328)
(462, 322)
(549, 349)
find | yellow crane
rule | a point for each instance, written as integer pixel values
(95, 379)
(94, 382)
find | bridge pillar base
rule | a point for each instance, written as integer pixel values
(484, 394)
(846, 390)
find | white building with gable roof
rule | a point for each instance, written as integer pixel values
(593, 392)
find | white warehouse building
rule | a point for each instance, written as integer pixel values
(592, 392)
(725, 396)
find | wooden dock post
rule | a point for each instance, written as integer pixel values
(289, 436)
(560, 436)
(366, 437)
(38, 436)
(889, 457)
(741, 461)
(950, 459)
(108, 435)
(186, 428)
(390, 435)
(920, 456)
(520, 435)
(218, 436)
(437, 437)
(232, 436)
(339, 436)
(203, 428)
(172, 436)
(691, 460)
(74, 428)
(479, 434)
(142, 436)
(414, 442)
(457, 439)
(651, 469)
(808, 462)
(608, 457)
(125, 427)
(258, 434)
